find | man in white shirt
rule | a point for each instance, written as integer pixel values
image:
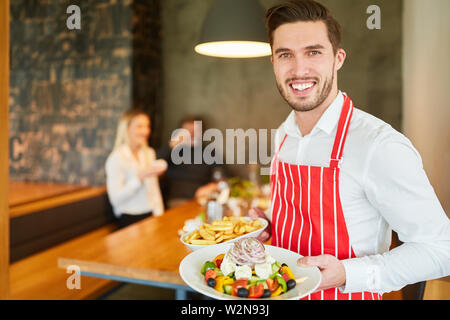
(342, 179)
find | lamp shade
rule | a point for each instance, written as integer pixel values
(234, 29)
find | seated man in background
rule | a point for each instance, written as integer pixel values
(184, 181)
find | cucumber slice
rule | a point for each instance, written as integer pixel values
(218, 272)
(253, 280)
(263, 282)
(228, 289)
(275, 267)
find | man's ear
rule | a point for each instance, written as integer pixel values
(340, 58)
(271, 59)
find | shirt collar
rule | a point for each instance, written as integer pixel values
(326, 123)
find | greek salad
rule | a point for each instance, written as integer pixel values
(248, 271)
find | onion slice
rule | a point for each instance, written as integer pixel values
(247, 251)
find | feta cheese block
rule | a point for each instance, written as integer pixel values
(243, 272)
(269, 259)
(263, 270)
(227, 265)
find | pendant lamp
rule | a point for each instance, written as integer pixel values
(234, 29)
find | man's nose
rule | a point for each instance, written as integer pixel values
(300, 67)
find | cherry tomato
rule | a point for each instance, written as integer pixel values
(241, 283)
(272, 284)
(210, 274)
(256, 291)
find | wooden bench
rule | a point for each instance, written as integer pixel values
(38, 277)
(49, 220)
(43, 215)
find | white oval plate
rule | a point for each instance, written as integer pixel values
(191, 265)
(253, 234)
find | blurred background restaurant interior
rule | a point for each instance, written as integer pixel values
(68, 89)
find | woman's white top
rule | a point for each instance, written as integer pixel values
(125, 190)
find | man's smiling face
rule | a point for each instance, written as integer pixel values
(305, 64)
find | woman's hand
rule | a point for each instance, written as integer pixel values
(258, 213)
(332, 270)
(156, 168)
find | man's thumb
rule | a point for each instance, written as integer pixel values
(316, 261)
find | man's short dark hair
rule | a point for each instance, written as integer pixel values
(303, 10)
(190, 118)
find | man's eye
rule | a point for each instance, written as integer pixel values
(284, 55)
(314, 53)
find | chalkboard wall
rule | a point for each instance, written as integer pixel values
(68, 88)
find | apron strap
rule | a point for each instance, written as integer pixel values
(281, 144)
(275, 157)
(341, 134)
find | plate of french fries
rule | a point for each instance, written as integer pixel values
(228, 229)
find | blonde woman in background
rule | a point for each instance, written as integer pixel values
(132, 171)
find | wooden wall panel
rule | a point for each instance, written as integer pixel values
(4, 154)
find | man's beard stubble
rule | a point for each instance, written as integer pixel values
(304, 107)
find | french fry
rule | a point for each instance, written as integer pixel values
(222, 230)
(202, 242)
(229, 236)
(256, 223)
(194, 235)
(190, 236)
(205, 234)
(240, 230)
(222, 223)
(300, 280)
(249, 228)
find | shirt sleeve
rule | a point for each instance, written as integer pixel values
(119, 188)
(397, 185)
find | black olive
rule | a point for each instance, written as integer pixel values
(284, 265)
(291, 284)
(266, 293)
(211, 282)
(242, 292)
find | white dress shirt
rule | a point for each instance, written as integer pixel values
(125, 190)
(383, 187)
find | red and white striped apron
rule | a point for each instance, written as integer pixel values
(307, 214)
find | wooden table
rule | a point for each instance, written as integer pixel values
(148, 252)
